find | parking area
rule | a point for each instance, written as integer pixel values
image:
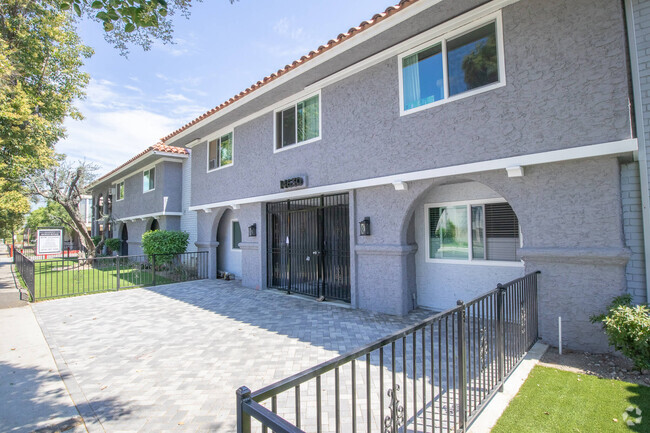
(170, 358)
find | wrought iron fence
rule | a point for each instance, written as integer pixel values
(26, 269)
(64, 276)
(435, 376)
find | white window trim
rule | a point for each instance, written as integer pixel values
(496, 17)
(207, 150)
(154, 180)
(232, 235)
(470, 260)
(293, 104)
(117, 191)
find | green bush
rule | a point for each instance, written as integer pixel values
(96, 239)
(113, 244)
(164, 242)
(628, 329)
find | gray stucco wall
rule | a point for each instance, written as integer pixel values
(573, 235)
(563, 90)
(168, 183)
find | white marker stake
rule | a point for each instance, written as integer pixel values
(559, 331)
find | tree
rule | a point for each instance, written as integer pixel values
(138, 22)
(52, 214)
(14, 205)
(65, 184)
(40, 79)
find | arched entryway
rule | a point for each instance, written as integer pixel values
(124, 246)
(154, 225)
(229, 252)
(468, 239)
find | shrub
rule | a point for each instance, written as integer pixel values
(628, 329)
(113, 244)
(96, 239)
(164, 242)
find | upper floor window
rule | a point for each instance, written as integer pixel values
(220, 152)
(298, 124)
(452, 67)
(119, 191)
(472, 231)
(149, 180)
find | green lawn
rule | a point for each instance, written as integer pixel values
(57, 278)
(553, 400)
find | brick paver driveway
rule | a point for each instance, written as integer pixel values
(170, 358)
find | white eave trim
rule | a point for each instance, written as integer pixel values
(149, 215)
(364, 36)
(590, 151)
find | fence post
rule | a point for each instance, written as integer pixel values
(153, 269)
(462, 366)
(117, 269)
(243, 419)
(501, 337)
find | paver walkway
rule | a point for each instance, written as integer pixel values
(170, 358)
(32, 395)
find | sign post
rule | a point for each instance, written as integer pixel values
(49, 241)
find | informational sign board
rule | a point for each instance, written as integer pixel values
(49, 241)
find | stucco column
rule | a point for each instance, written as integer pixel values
(382, 278)
(211, 248)
(253, 257)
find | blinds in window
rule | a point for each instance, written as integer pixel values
(501, 232)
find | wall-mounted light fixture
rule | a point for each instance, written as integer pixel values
(364, 227)
(252, 231)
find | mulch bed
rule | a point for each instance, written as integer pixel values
(604, 365)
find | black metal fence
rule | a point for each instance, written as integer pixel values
(64, 276)
(435, 376)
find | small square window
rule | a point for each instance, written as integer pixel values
(220, 152)
(149, 180)
(120, 191)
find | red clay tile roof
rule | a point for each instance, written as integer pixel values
(391, 10)
(160, 147)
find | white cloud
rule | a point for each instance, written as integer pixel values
(122, 121)
(285, 27)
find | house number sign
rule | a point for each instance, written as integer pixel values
(294, 183)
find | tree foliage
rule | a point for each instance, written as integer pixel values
(40, 79)
(166, 242)
(50, 215)
(131, 22)
(14, 205)
(64, 184)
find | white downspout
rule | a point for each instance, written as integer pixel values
(640, 130)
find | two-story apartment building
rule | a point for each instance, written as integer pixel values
(422, 157)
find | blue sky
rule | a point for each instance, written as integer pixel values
(221, 50)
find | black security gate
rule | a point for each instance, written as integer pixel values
(309, 246)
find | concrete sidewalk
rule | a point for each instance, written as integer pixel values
(33, 397)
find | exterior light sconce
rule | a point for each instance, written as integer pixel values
(364, 227)
(252, 231)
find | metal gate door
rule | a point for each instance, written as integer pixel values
(309, 246)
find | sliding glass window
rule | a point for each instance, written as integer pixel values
(298, 124)
(450, 67)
